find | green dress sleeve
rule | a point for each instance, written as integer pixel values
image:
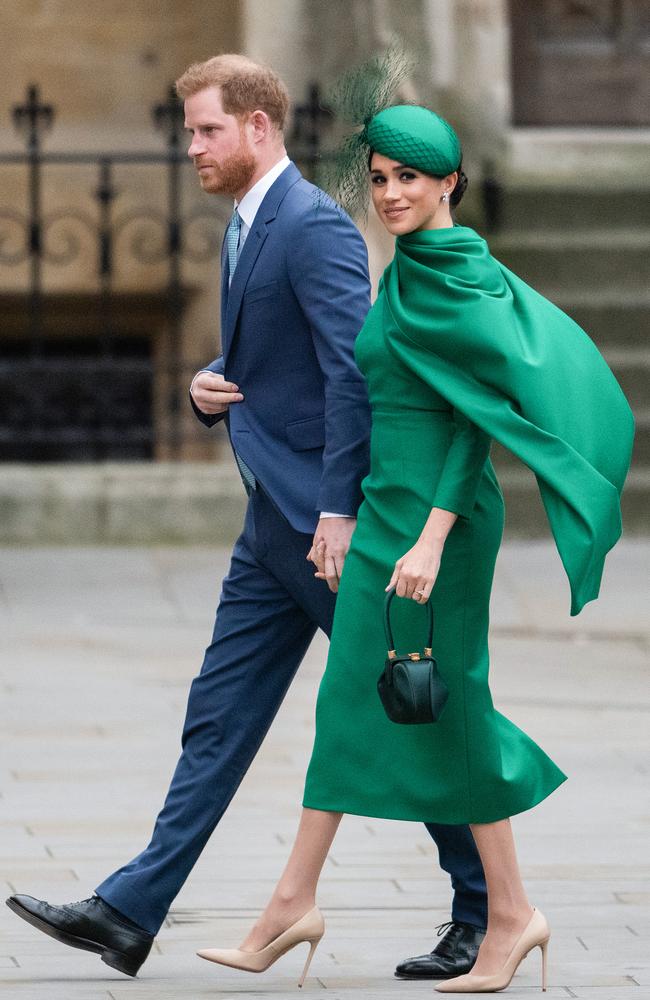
(522, 371)
(463, 467)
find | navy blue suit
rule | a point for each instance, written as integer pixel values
(298, 297)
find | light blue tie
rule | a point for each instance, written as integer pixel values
(232, 242)
(232, 245)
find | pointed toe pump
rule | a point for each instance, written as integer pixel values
(310, 929)
(535, 935)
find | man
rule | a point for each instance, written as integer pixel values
(295, 292)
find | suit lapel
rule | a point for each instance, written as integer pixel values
(231, 298)
(250, 251)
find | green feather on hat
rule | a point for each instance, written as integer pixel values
(411, 134)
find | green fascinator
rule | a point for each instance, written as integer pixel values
(416, 137)
(408, 133)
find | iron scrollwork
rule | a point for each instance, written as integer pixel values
(14, 245)
(67, 419)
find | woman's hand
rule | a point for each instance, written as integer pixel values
(415, 573)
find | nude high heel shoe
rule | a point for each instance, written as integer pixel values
(534, 935)
(309, 928)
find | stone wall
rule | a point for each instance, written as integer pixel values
(103, 66)
(103, 63)
(460, 54)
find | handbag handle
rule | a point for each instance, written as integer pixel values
(389, 631)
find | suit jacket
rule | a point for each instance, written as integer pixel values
(298, 298)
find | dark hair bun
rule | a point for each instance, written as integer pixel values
(459, 190)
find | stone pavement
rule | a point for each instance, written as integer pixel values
(98, 648)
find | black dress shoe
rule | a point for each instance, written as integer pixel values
(453, 956)
(91, 925)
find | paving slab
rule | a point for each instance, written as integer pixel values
(99, 646)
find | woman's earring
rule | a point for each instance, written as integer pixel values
(445, 196)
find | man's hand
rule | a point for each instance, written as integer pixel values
(330, 547)
(212, 394)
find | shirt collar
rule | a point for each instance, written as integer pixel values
(252, 200)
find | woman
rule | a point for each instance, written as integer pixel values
(455, 350)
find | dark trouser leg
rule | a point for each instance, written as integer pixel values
(459, 857)
(261, 634)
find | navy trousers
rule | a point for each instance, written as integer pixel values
(269, 610)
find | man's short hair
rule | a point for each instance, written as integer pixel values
(245, 86)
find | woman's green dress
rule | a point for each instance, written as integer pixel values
(457, 350)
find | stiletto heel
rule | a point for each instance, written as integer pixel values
(313, 946)
(544, 948)
(309, 928)
(535, 935)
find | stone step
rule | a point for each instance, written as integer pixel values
(617, 261)
(640, 458)
(121, 503)
(558, 207)
(608, 318)
(197, 503)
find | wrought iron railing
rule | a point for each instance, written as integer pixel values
(96, 395)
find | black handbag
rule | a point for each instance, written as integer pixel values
(410, 687)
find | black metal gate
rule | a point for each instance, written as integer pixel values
(78, 373)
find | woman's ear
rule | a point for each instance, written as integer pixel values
(450, 182)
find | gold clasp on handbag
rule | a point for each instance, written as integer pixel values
(414, 656)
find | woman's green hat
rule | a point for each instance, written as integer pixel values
(417, 137)
(413, 135)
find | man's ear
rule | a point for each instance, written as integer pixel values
(261, 125)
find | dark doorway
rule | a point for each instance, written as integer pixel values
(73, 403)
(581, 62)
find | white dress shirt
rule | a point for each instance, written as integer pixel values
(252, 200)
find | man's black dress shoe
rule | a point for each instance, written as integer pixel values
(91, 925)
(453, 956)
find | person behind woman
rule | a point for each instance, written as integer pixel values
(456, 350)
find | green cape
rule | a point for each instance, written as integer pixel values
(522, 370)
